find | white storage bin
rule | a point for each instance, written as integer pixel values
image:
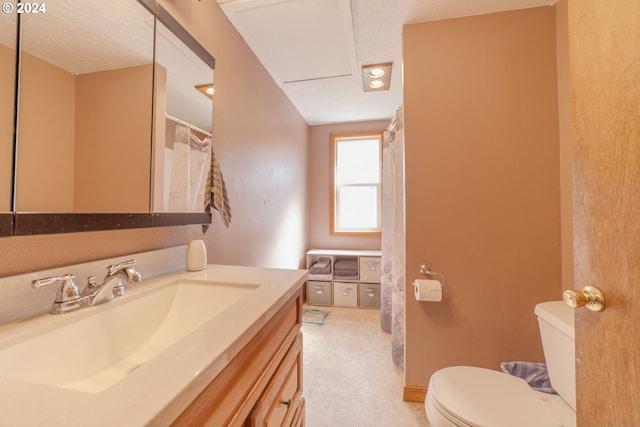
(319, 293)
(370, 270)
(345, 294)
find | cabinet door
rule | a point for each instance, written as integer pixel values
(282, 398)
(229, 399)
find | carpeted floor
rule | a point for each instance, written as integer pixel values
(349, 379)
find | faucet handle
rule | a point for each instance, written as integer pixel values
(67, 292)
(114, 268)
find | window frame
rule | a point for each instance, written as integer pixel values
(335, 138)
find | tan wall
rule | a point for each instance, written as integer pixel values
(319, 171)
(159, 137)
(482, 193)
(566, 151)
(7, 75)
(45, 138)
(78, 134)
(260, 140)
(113, 139)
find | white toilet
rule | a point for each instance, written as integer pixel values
(467, 396)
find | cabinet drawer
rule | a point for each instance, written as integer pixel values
(280, 401)
(298, 418)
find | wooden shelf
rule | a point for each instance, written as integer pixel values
(363, 290)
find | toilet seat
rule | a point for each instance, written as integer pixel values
(471, 396)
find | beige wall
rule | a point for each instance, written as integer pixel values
(159, 137)
(566, 151)
(45, 137)
(113, 138)
(7, 74)
(78, 134)
(318, 188)
(260, 141)
(482, 194)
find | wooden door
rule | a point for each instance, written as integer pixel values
(604, 53)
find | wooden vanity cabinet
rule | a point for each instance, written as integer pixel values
(262, 385)
(278, 403)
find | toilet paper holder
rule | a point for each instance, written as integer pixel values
(425, 270)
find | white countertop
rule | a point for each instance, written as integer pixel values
(157, 392)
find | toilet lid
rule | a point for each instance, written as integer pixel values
(483, 397)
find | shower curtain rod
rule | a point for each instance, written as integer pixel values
(182, 122)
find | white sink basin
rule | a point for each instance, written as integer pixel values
(90, 352)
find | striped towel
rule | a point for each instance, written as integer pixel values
(215, 194)
(535, 374)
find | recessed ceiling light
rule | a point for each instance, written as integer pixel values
(375, 73)
(376, 77)
(206, 89)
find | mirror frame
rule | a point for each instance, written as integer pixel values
(24, 224)
(6, 224)
(7, 218)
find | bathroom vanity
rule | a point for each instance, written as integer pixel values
(221, 346)
(262, 386)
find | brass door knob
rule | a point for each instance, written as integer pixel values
(590, 297)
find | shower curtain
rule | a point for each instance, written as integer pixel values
(189, 168)
(393, 238)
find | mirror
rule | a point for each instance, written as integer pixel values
(184, 103)
(8, 35)
(85, 108)
(86, 115)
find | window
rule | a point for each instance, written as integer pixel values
(355, 183)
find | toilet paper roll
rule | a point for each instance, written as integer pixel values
(427, 290)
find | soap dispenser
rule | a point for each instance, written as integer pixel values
(196, 255)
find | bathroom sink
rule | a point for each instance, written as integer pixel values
(96, 347)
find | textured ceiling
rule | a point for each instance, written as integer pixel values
(314, 49)
(97, 36)
(105, 35)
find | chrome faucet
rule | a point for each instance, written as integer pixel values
(112, 285)
(69, 297)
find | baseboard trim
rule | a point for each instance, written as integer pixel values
(414, 394)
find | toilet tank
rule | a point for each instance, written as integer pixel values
(556, 323)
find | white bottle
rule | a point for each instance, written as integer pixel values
(196, 255)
